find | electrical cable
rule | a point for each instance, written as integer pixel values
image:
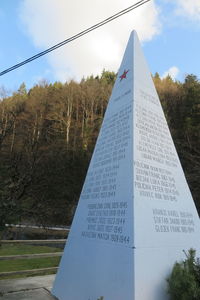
(76, 36)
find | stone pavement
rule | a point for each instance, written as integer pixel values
(29, 288)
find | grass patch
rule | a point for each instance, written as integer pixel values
(19, 249)
(27, 264)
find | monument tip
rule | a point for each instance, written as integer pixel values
(134, 34)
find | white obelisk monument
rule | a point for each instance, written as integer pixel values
(136, 214)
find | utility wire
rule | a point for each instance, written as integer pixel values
(76, 36)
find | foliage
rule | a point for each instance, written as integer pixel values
(47, 136)
(184, 281)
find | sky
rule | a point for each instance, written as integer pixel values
(169, 31)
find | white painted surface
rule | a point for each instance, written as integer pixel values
(136, 213)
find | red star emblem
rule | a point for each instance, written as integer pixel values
(123, 75)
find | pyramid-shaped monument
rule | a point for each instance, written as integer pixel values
(136, 214)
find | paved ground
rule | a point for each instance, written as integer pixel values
(30, 288)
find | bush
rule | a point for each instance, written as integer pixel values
(184, 281)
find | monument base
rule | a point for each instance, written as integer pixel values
(117, 272)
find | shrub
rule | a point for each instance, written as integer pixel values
(184, 281)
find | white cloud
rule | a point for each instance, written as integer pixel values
(189, 8)
(172, 72)
(48, 22)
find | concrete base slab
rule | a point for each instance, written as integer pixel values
(29, 288)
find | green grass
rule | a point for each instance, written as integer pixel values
(13, 249)
(27, 264)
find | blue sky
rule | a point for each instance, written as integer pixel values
(168, 29)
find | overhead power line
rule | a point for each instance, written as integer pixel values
(76, 36)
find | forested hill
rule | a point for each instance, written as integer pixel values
(47, 136)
